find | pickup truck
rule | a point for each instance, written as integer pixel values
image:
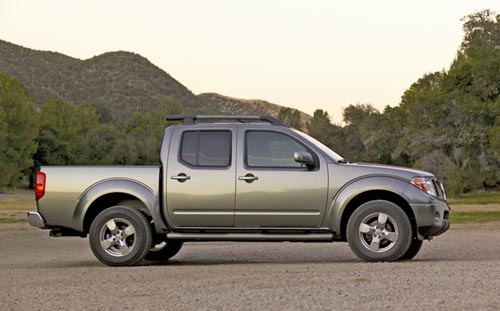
(240, 178)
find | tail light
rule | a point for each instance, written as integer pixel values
(40, 185)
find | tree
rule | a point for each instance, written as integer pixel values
(145, 131)
(320, 126)
(357, 114)
(18, 129)
(356, 119)
(101, 146)
(291, 117)
(481, 29)
(63, 127)
(451, 116)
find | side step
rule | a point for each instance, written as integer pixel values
(251, 237)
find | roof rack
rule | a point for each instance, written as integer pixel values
(191, 119)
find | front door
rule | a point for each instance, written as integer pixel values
(201, 177)
(272, 190)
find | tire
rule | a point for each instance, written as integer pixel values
(415, 247)
(164, 251)
(379, 231)
(120, 236)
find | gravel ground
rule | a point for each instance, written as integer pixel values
(459, 270)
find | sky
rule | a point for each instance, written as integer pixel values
(302, 54)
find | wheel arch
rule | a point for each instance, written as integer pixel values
(109, 200)
(372, 195)
(359, 191)
(117, 192)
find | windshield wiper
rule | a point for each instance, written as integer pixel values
(343, 161)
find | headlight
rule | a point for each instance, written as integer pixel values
(425, 184)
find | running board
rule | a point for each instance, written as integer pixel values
(249, 237)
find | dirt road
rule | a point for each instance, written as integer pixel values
(459, 270)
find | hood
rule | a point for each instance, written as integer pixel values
(396, 168)
(369, 169)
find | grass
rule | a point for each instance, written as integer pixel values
(479, 207)
(13, 219)
(476, 198)
(13, 208)
(17, 204)
(474, 217)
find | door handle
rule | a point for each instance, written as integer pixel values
(248, 178)
(181, 177)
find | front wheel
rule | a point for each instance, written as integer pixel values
(415, 247)
(120, 236)
(379, 231)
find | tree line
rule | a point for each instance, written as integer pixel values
(60, 133)
(448, 123)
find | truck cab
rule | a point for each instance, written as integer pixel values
(242, 176)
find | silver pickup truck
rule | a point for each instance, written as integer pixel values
(249, 178)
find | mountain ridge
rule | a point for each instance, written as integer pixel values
(119, 82)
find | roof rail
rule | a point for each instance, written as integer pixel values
(191, 119)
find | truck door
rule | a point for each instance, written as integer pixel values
(200, 181)
(272, 190)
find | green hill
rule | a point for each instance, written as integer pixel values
(119, 83)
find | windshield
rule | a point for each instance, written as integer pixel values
(329, 152)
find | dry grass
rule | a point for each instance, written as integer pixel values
(476, 198)
(475, 208)
(13, 208)
(17, 204)
(474, 217)
(481, 211)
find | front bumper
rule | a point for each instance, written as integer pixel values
(432, 231)
(432, 219)
(431, 213)
(36, 220)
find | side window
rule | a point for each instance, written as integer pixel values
(206, 148)
(189, 148)
(271, 149)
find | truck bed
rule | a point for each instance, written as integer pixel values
(66, 185)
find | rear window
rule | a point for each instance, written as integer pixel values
(206, 148)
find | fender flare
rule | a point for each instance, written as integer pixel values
(346, 194)
(119, 186)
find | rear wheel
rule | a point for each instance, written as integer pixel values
(164, 250)
(120, 236)
(379, 231)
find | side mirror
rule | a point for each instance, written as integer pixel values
(304, 157)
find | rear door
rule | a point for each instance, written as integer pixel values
(272, 190)
(200, 179)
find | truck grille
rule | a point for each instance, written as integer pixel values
(440, 189)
